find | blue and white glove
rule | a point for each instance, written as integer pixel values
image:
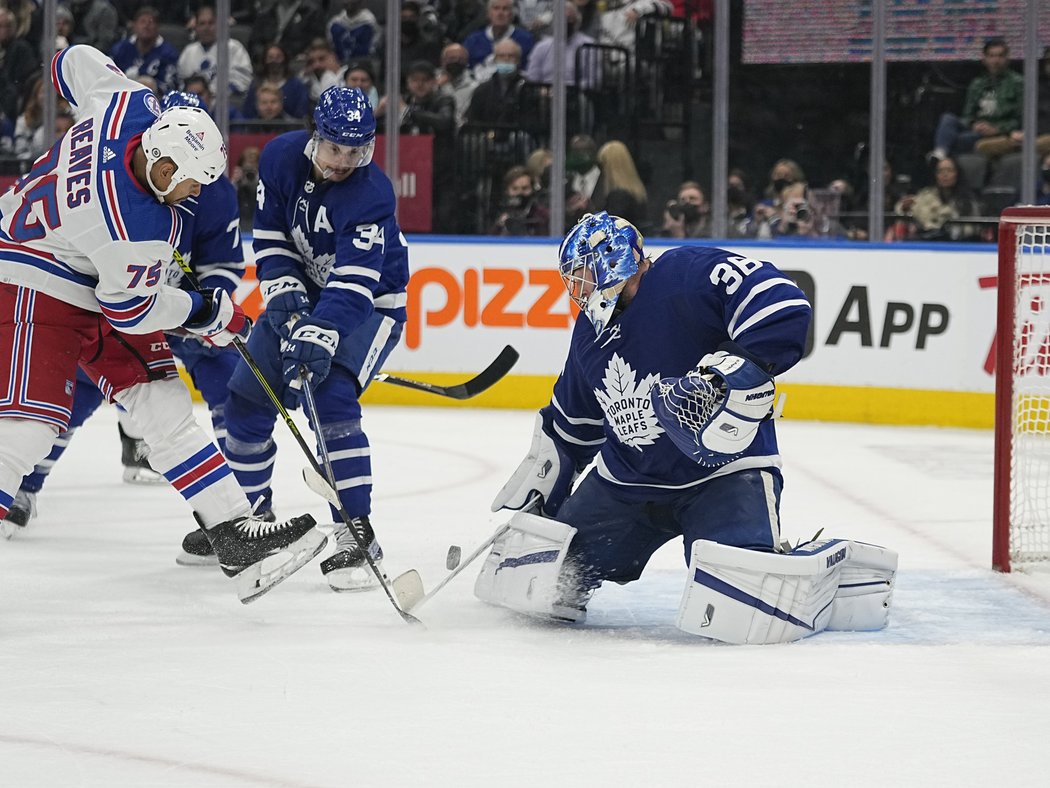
(285, 301)
(311, 346)
(712, 414)
(217, 319)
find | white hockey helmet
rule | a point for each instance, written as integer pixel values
(190, 138)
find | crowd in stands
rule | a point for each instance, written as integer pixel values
(476, 76)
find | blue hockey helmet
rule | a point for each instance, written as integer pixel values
(344, 117)
(596, 259)
(180, 98)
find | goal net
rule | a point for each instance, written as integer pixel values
(1021, 512)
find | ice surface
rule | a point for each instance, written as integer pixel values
(119, 668)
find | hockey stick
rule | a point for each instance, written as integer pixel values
(448, 578)
(331, 494)
(485, 379)
(407, 596)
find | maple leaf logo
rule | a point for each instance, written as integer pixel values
(628, 404)
(317, 265)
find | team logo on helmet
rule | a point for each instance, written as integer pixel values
(151, 103)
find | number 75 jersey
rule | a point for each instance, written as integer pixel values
(79, 226)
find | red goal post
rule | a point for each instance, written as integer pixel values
(1021, 508)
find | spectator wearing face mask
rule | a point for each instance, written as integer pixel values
(481, 44)
(689, 214)
(275, 71)
(454, 79)
(520, 212)
(495, 101)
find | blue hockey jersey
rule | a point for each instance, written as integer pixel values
(689, 302)
(341, 239)
(211, 237)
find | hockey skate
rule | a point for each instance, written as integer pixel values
(22, 510)
(259, 554)
(197, 550)
(347, 568)
(133, 454)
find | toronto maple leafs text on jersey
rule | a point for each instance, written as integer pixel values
(79, 226)
(344, 242)
(688, 303)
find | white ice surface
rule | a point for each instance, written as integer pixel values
(119, 668)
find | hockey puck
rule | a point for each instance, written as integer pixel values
(452, 559)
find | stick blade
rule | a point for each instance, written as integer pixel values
(319, 484)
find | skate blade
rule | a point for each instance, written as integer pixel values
(189, 559)
(263, 575)
(9, 529)
(351, 579)
(143, 476)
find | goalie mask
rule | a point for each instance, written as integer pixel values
(189, 137)
(345, 129)
(596, 259)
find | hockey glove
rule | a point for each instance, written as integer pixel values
(218, 319)
(285, 301)
(543, 479)
(712, 413)
(311, 347)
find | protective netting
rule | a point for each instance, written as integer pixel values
(1030, 403)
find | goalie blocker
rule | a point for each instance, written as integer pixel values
(731, 594)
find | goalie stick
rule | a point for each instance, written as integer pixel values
(330, 495)
(484, 380)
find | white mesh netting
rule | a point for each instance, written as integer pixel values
(1030, 404)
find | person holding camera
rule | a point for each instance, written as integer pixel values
(521, 213)
(689, 214)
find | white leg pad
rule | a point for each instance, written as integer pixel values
(744, 596)
(522, 568)
(865, 592)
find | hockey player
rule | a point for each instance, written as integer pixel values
(85, 239)
(333, 268)
(211, 245)
(669, 388)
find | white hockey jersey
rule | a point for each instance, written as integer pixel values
(79, 226)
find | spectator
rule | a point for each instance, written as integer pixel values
(455, 79)
(352, 32)
(738, 205)
(198, 85)
(619, 23)
(582, 174)
(361, 74)
(275, 71)
(269, 112)
(689, 214)
(520, 212)
(246, 180)
(201, 57)
(784, 173)
(495, 101)
(30, 141)
(480, 44)
(146, 52)
(64, 23)
(992, 108)
(17, 65)
(420, 34)
(994, 147)
(293, 24)
(619, 190)
(935, 209)
(794, 217)
(541, 62)
(425, 110)
(95, 24)
(322, 69)
(1042, 192)
(538, 164)
(28, 22)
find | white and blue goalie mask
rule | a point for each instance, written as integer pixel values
(596, 259)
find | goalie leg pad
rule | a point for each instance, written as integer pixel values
(744, 596)
(865, 592)
(522, 569)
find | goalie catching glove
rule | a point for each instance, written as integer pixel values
(217, 319)
(713, 412)
(547, 471)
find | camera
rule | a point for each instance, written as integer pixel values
(802, 212)
(674, 210)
